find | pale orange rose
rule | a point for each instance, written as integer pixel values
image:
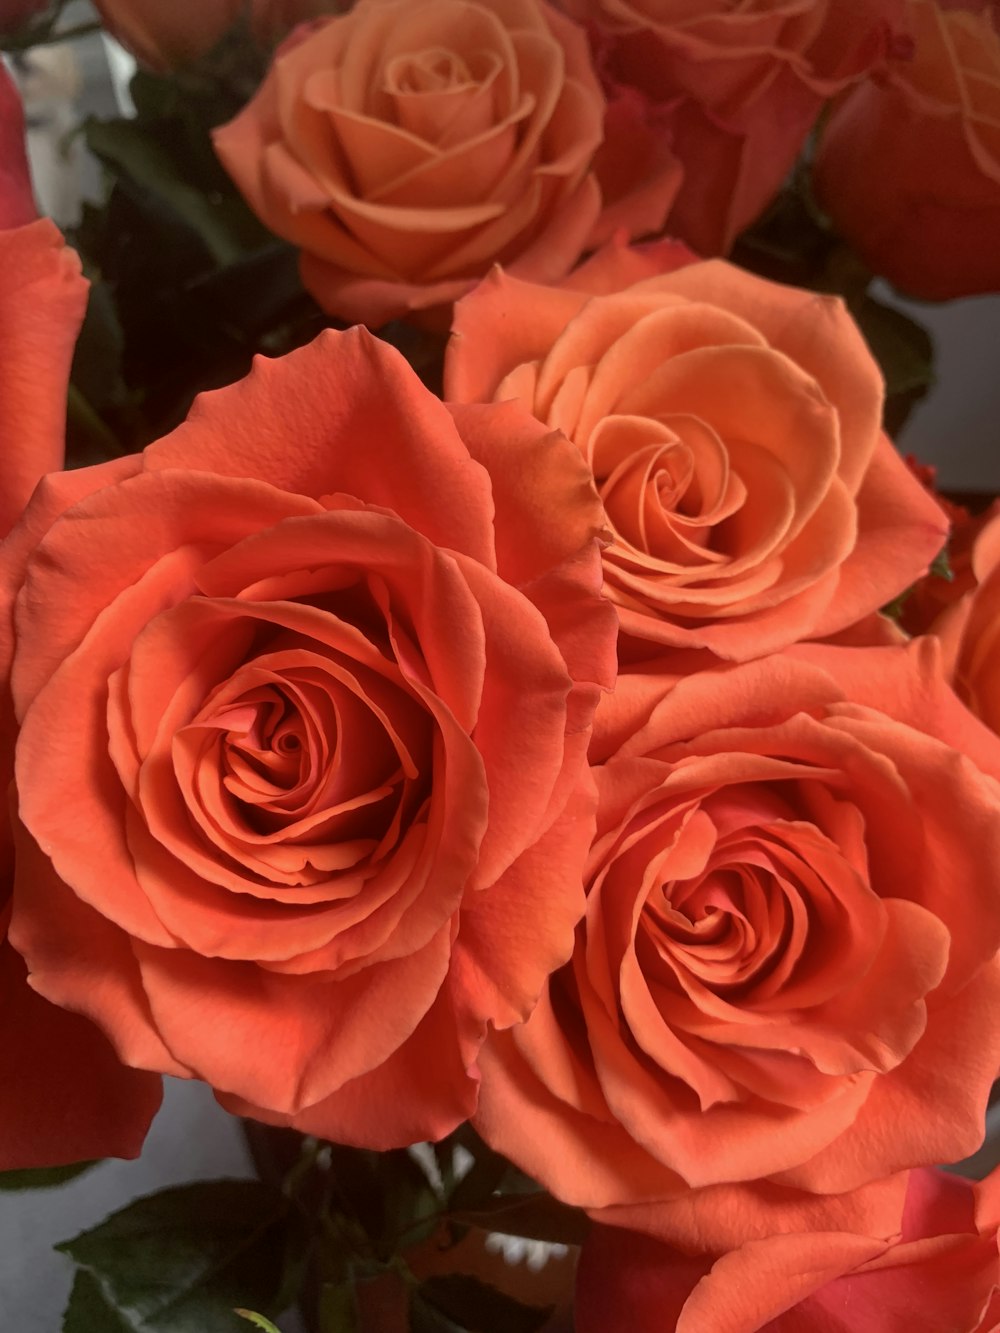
(732, 427)
(908, 166)
(969, 629)
(739, 86)
(941, 1275)
(785, 984)
(409, 144)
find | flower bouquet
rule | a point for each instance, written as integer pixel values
(481, 690)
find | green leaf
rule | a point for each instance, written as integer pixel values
(476, 1305)
(88, 1310)
(258, 1319)
(425, 1318)
(135, 151)
(181, 1260)
(43, 1178)
(338, 1308)
(902, 347)
(532, 1216)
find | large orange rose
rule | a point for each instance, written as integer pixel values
(941, 1274)
(738, 85)
(732, 426)
(301, 771)
(787, 970)
(407, 145)
(64, 1096)
(908, 166)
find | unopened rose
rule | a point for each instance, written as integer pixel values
(64, 1096)
(302, 768)
(408, 144)
(733, 429)
(785, 983)
(908, 166)
(163, 34)
(942, 1273)
(736, 86)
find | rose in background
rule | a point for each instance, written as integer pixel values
(786, 975)
(409, 144)
(908, 166)
(302, 772)
(943, 1272)
(64, 1097)
(15, 14)
(164, 35)
(738, 87)
(732, 427)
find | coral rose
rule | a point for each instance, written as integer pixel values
(732, 426)
(942, 1273)
(279, 830)
(908, 166)
(738, 85)
(407, 145)
(969, 629)
(65, 1096)
(787, 969)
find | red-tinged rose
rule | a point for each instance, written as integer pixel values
(941, 1273)
(302, 771)
(908, 166)
(737, 87)
(17, 201)
(64, 1096)
(407, 145)
(733, 429)
(785, 983)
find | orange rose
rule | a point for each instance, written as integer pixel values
(785, 985)
(68, 1098)
(740, 85)
(942, 1274)
(407, 145)
(732, 426)
(279, 830)
(909, 165)
(969, 629)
